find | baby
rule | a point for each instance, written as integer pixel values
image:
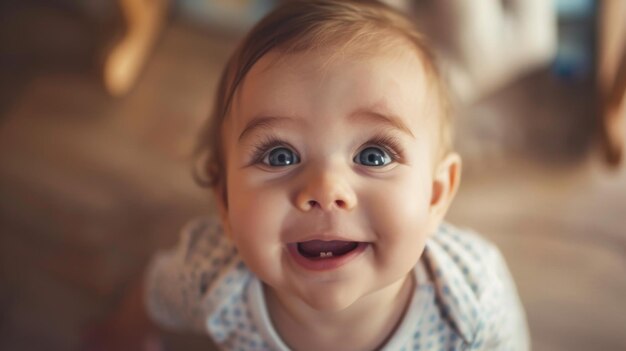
(329, 153)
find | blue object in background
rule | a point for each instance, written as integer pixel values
(575, 56)
(574, 8)
(230, 15)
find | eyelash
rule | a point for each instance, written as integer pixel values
(389, 144)
(261, 149)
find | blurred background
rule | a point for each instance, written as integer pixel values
(101, 100)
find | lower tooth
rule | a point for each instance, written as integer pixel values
(326, 254)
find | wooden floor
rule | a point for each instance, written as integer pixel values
(90, 186)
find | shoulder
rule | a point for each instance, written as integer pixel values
(200, 274)
(465, 255)
(202, 252)
(202, 235)
(474, 286)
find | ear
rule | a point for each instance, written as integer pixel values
(445, 184)
(221, 202)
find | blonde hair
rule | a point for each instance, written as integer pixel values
(304, 25)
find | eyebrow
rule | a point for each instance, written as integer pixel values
(263, 122)
(268, 122)
(390, 120)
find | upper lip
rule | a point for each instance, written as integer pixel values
(326, 236)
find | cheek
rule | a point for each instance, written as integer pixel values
(406, 222)
(399, 213)
(255, 212)
(401, 203)
(256, 217)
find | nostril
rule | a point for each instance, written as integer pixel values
(337, 204)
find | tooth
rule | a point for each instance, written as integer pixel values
(326, 254)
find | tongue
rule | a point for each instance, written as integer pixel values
(313, 248)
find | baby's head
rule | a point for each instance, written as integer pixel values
(329, 150)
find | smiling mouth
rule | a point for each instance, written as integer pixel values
(320, 255)
(320, 249)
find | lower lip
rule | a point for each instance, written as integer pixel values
(324, 264)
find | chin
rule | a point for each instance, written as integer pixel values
(330, 301)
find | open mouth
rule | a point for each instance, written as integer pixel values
(325, 254)
(320, 249)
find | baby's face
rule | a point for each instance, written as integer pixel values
(329, 172)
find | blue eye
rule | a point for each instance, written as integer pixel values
(280, 157)
(373, 157)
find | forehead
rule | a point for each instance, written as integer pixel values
(335, 82)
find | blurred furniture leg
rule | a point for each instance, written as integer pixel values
(612, 79)
(144, 20)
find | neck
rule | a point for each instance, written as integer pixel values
(371, 319)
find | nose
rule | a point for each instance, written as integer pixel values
(325, 190)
